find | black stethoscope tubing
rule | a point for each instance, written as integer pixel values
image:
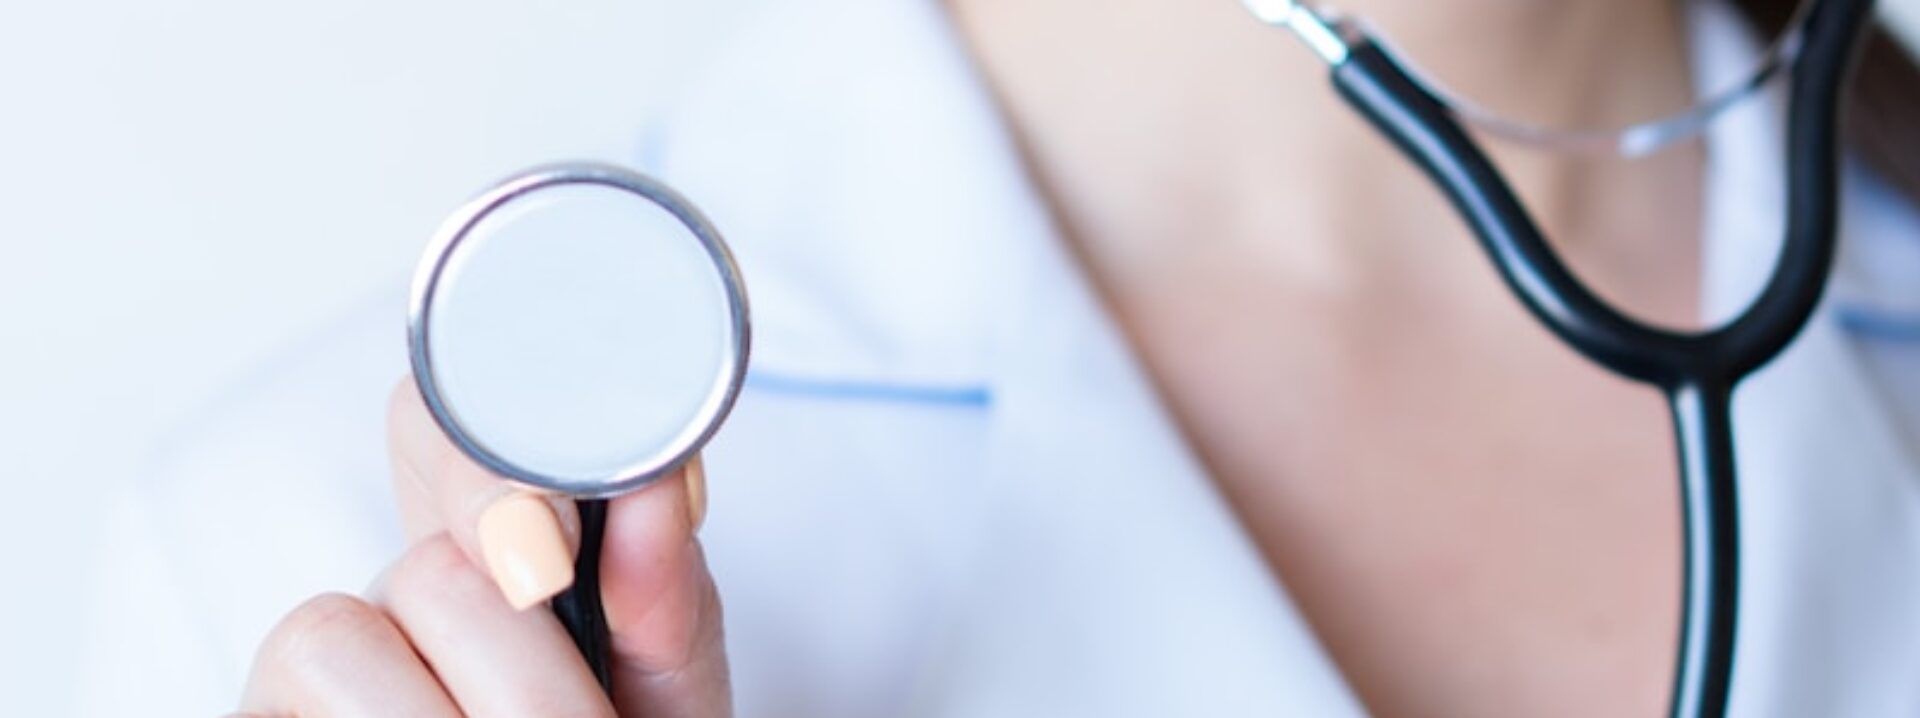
(1696, 370)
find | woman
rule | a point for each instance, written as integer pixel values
(1105, 365)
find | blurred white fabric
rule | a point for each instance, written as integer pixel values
(191, 186)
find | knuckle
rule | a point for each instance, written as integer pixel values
(322, 625)
(431, 566)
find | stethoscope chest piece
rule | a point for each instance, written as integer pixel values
(580, 329)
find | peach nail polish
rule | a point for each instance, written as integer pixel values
(696, 492)
(524, 549)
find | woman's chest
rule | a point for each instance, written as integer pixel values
(1473, 520)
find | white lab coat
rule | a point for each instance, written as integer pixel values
(948, 489)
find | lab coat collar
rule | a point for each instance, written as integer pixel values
(1152, 598)
(889, 233)
(1827, 485)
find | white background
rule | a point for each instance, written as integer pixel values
(188, 186)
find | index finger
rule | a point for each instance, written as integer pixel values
(661, 605)
(525, 540)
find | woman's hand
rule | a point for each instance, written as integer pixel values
(454, 627)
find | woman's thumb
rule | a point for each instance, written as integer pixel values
(669, 654)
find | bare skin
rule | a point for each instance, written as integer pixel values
(1475, 521)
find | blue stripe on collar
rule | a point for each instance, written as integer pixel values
(974, 396)
(1878, 324)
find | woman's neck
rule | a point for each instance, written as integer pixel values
(1155, 120)
(1557, 62)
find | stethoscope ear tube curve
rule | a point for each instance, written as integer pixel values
(1697, 371)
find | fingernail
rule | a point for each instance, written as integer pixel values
(696, 492)
(524, 549)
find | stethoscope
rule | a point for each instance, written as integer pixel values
(1697, 370)
(582, 329)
